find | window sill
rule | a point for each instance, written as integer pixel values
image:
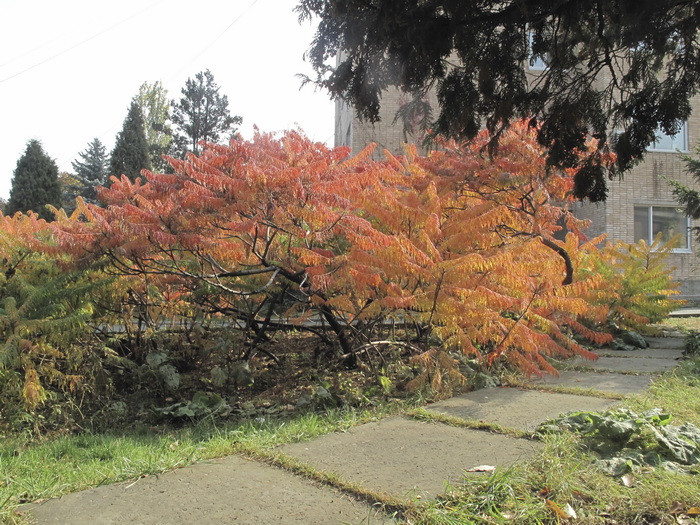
(651, 150)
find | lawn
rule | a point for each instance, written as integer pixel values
(563, 480)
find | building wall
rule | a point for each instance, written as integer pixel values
(385, 134)
(343, 124)
(647, 184)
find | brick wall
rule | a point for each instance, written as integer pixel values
(646, 184)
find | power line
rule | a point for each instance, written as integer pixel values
(199, 54)
(64, 51)
(216, 39)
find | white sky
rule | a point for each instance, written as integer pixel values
(69, 68)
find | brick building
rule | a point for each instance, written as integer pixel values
(638, 206)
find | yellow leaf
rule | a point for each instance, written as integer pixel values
(566, 513)
(693, 511)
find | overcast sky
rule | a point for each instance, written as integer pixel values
(69, 68)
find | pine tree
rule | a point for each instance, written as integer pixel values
(92, 170)
(202, 114)
(131, 154)
(35, 183)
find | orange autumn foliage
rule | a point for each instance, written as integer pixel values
(459, 244)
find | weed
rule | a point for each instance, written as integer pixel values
(692, 343)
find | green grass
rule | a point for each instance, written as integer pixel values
(562, 473)
(421, 414)
(683, 323)
(36, 470)
(565, 474)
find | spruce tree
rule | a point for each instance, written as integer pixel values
(34, 183)
(91, 171)
(131, 153)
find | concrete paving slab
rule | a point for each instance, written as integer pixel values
(228, 490)
(685, 312)
(666, 342)
(658, 353)
(408, 458)
(516, 407)
(602, 381)
(619, 364)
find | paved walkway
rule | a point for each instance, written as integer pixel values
(401, 457)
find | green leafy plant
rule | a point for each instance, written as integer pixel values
(203, 404)
(323, 395)
(638, 285)
(692, 343)
(46, 347)
(624, 440)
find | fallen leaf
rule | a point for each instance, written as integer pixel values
(627, 480)
(545, 492)
(482, 468)
(568, 509)
(693, 511)
(565, 513)
(581, 496)
(684, 519)
(676, 508)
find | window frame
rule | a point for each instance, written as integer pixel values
(534, 63)
(684, 147)
(688, 249)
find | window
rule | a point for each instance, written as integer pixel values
(665, 142)
(669, 221)
(536, 62)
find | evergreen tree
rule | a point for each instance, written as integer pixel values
(202, 114)
(91, 171)
(131, 154)
(153, 99)
(688, 197)
(613, 67)
(35, 183)
(71, 188)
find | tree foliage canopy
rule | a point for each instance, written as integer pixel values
(247, 240)
(618, 67)
(202, 114)
(155, 106)
(35, 183)
(131, 153)
(91, 171)
(456, 243)
(688, 197)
